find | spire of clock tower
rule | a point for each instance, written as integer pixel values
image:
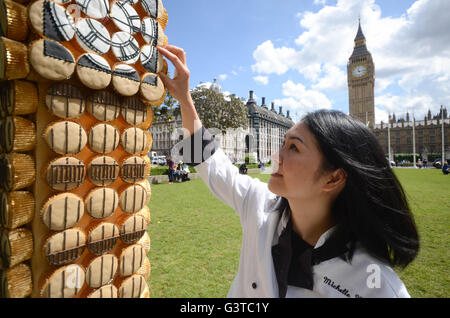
(360, 43)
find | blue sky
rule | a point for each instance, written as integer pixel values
(294, 52)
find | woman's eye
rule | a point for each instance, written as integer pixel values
(293, 147)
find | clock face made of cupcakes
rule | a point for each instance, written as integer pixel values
(103, 42)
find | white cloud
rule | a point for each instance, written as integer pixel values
(223, 77)
(320, 2)
(264, 80)
(299, 98)
(234, 73)
(411, 52)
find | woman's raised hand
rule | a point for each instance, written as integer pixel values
(178, 86)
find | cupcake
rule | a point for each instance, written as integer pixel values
(65, 137)
(17, 134)
(14, 57)
(62, 211)
(102, 202)
(16, 208)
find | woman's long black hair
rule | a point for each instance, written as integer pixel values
(372, 208)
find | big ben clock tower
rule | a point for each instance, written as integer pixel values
(361, 81)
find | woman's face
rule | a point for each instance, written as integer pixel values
(299, 160)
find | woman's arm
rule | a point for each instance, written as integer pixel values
(179, 87)
(219, 174)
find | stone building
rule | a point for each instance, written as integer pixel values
(361, 83)
(428, 134)
(263, 136)
(267, 128)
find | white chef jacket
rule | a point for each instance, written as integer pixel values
(262, 226)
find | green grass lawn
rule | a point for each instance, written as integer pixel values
(196, 239)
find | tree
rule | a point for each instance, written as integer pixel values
(168, 111)
(216, 112)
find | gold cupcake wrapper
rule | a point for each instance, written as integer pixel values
(145, 242)
(16, 246)
(145, 269)
(149, 142)
(146, 292)
(148, 167)
(18, 171)
(13, 20)
(16, 208)
(164, 20)
(17, 134)
(23, 2)
(16, 282)
(146, 184)
(145, 213)
(18, 98)
(149, 121)
(13, 60)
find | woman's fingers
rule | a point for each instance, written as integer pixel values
(166, 80)
(173, 58)
(179, 52)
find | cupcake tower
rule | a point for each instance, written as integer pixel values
(78, 80)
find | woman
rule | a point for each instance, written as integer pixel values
(333, 219)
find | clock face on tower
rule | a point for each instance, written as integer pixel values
(359, 71)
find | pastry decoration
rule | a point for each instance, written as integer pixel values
(132, 287)
(134, 140)
(93, 71)
(104, 105)
(64, 282)
(78, 80)
(65, 247)
(65, 137)
(65, 101)
(107, 291)
(134, 169)
(51, 20)
(102, 202)
(103, 170)
(134, 111)
(62, 211)
(132, 199)
(103, 238)
(103, 138)
(125, 80)
(131, 259)
(65, 173)
(132, 229)
(101, 270)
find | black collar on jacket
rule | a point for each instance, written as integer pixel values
(295, 267)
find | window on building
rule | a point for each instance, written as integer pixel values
(432, 139)
(397, 141)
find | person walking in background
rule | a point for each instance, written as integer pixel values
(171, 165)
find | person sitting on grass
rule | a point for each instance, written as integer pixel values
(446, 168)
(185, 173)
(243, 169)
(333, 219)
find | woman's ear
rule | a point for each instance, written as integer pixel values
(335, 181)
